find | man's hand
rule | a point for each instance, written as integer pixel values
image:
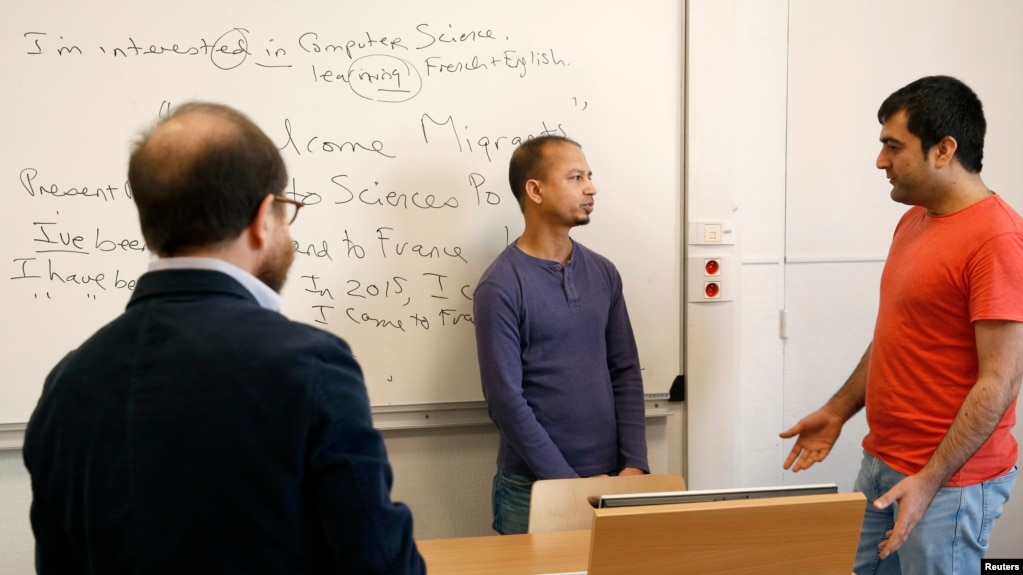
(631, 471)
(817, 433)
(913, 496)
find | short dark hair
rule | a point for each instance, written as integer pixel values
(940, 106)
(199, 191)
(528, 161)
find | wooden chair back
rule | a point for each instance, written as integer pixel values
(563, 504)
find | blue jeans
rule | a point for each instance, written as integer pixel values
(952, 537)
(510, 499)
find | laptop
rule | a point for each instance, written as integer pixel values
(671, 497)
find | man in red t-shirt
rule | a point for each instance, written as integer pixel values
(940, 379)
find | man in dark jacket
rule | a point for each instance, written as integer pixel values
(201, 431)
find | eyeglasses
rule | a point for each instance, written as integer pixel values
(291, 208)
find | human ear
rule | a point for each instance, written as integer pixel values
(944, 151)
(262, 226)
(534, 192)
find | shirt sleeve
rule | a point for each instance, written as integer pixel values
(996, 279)
(626, 383)
(498, 347)
(54, 547)
(55, 552)
(351, 477)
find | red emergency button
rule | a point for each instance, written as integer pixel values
(712, 289)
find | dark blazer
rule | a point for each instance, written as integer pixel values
(201, 433)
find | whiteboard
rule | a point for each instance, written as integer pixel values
(396, 120)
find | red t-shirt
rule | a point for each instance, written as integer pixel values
(942, 274)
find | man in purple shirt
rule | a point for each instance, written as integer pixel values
(557, 356)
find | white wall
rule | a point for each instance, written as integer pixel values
(16, 543)
(736, 68)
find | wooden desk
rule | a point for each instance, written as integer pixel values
(557, 552)
(560, 552)
(807, 534)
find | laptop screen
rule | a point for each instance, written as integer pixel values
(670, 497)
